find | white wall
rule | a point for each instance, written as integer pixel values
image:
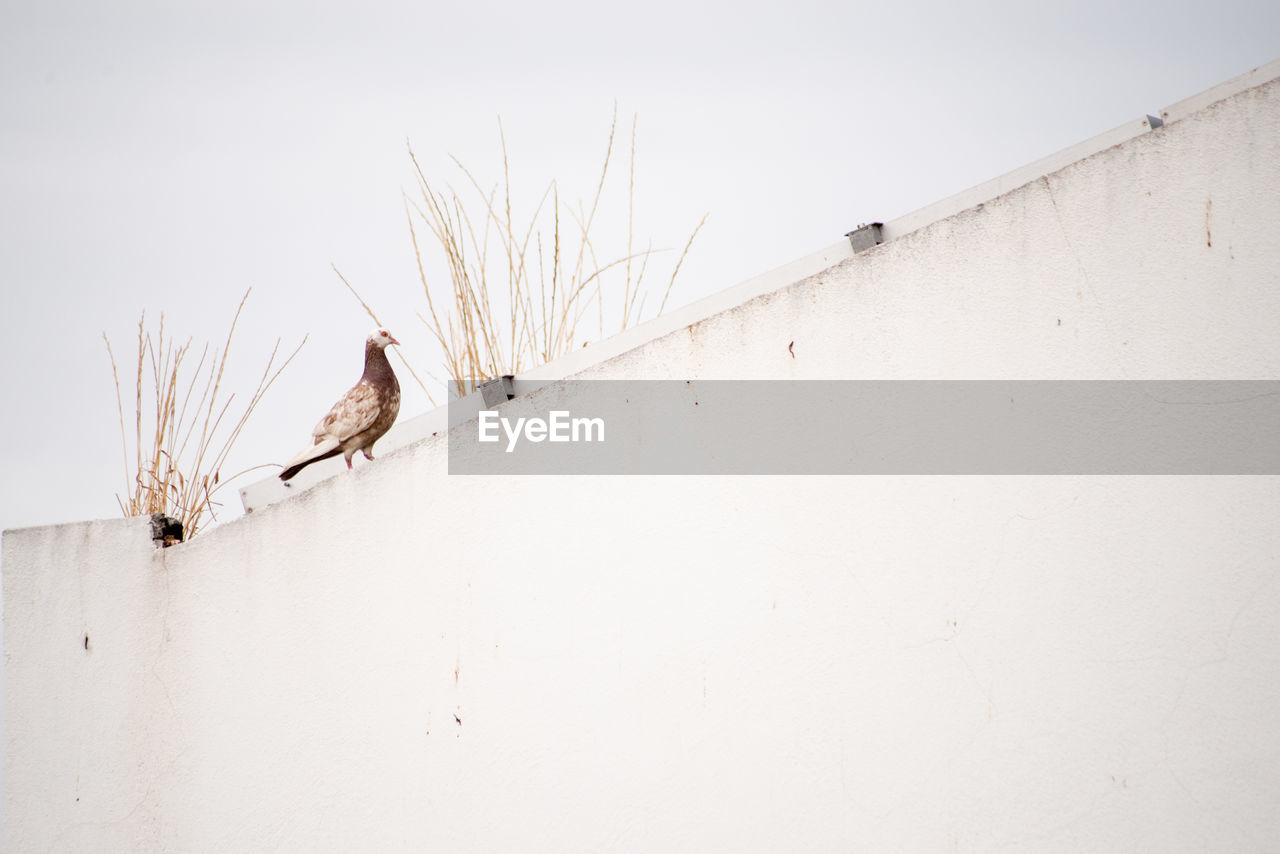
(399, 660)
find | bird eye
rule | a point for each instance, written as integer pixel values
(383, 333)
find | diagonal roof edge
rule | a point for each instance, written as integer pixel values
(1061, 159)
(441, 418)
(831, 255)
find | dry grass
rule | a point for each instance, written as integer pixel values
(181, 439)
(520, 291)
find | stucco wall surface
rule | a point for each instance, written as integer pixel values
(401, 660)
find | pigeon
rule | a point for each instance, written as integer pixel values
(362, 415)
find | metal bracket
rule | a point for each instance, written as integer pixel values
(866, 236)
(497, 391)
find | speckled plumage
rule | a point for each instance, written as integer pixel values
(361, 417)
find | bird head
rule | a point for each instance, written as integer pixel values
(382, 338)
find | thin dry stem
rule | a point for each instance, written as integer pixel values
(683, 252)
(369, 311)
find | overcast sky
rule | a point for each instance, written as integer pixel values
(167, 156)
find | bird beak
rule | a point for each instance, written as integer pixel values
(392, 338)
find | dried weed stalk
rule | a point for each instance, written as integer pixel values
(181, 439)
(519, 291)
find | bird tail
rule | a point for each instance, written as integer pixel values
(330, 447)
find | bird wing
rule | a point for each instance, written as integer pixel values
(353, 414)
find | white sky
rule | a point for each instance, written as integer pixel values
(167, 156)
